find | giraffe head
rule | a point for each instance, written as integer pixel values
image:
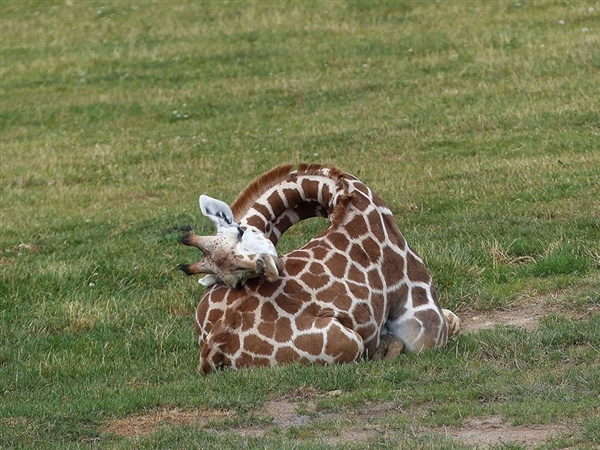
(233, 255)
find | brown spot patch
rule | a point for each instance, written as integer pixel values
(276, 203)
(392, 265)
(283, 223)
(337, 265)
(372, 248)
(325, 194)
(264, 211)
(268, 313)
(317, 269)
(267, 329)
(310, 188)
(358, 291)
(315, 280)
(257, 345)
(311, 343)
(417, 270)
(305, 320)
(339, 241)
(375, 281)
(289, 305)
(375, 224)
(267, 290)
(283, 330)
(359, 256)
(340, 345)
(357, 226)
(419, 297)
(357, 274)
(319, 252)
(248, 320)
(214, 315)
(287, 355)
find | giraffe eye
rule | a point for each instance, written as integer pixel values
(240, 232)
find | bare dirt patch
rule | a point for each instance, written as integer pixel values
(296, 409)
(493, 430)
(524, 316)
(144, 424)
(361, 426)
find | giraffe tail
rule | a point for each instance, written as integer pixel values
(453, 323)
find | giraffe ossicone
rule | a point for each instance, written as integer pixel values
(355, 290)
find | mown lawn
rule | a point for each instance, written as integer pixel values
(478, 122)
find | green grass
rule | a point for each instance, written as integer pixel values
(477, 122)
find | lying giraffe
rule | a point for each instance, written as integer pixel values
(356, 289)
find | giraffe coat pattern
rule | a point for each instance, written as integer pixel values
(336, 296)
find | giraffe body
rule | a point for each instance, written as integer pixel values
(330, 301)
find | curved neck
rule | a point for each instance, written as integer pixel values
(298, 198)
(278, 199)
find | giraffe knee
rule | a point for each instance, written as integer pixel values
(344, 344)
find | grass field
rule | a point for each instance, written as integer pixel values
(478, 122)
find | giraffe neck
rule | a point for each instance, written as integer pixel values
(282, 198)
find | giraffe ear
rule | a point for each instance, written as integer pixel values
(208, 280)
(217, 211)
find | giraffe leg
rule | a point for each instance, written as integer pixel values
(420, 330)
(326, 342)
(341, 344)
(389, 347)
(395, 348)
(382, 348)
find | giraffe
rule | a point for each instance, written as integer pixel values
(357, 289)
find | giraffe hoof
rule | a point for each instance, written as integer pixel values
(267, 266)
(260, 266)
(395, 348)
(381, 349)
(453, 322)
(389, 347)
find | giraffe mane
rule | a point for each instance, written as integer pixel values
(250, 194)
(272, 178)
